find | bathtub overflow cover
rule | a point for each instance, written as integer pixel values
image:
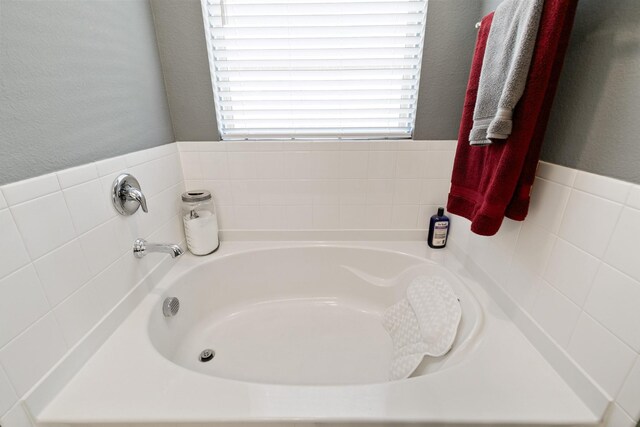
(206, 355)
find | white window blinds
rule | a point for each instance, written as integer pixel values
(289, 69)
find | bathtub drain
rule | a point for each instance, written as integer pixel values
(206, 355)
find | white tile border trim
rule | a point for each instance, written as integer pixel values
(594, 397)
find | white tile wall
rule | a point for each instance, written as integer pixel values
(589, 221)
(60, 272)
(624, 249)
(608, 188)
(88, 206)
(629, 398)
(548, 192)
(613, 302)
(605, 357)
(77, 175)
(16, 417)
(533, 247)
(634, 197)
(11, 246)
(321, 185)
(572, 265)
(571, 271)
(31, 354)
(555, 313)
(23, 302)
(7, 394)
(3, 202)
(619, 418)
(575, 271)
(23, 191)
(66, 260)
(79, 313)
(35, 220)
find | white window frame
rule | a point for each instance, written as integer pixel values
(219, 96)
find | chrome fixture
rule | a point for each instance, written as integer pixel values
(127, 196)
(170, 306)
(141, 247)
(206, 355)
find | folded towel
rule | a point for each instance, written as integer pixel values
(505, 68)
(424, 323)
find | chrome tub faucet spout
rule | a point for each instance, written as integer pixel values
(141, 248)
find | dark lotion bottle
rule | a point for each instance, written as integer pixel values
(438, 230)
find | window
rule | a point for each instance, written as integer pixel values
(301, 69)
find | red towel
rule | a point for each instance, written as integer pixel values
(489, 182)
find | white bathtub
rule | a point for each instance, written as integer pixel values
(303, 315)
(296, 332)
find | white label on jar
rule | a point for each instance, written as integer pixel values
(440, 231)
(201, 232)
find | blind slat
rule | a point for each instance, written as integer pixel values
(320, 114)
(224, 33)
(288, 76)
(308, 87)
(323, 105)
(314, 9)
(317, 65)
(287, 69)
(315, 42)
(301, 54)
(337, 20)
(317, 95)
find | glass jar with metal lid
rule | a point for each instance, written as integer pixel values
(200, 222)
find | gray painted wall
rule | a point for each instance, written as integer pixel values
(447, 58)
(183, 53)
(489, 6)
(80, 81)
(595, 121)
(448, 50)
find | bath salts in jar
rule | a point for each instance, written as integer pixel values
(200, 222)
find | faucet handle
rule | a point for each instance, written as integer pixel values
(136, 194)
(127, 196)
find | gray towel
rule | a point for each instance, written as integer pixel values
(505, 68)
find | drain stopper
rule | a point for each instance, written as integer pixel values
(206, 355)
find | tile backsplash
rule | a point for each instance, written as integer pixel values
(574, 267)
(321, 185)
(67, 259)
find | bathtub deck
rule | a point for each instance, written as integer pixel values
(503, 381)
